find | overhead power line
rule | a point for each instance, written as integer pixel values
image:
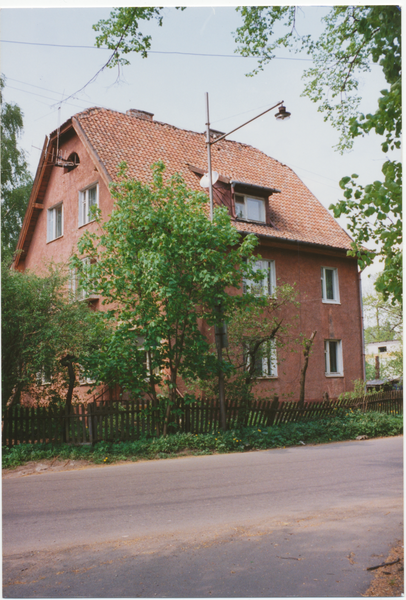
(153, 51)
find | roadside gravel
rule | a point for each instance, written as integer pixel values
(389, 581)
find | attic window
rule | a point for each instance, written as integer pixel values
(72, 162)
(250, 208)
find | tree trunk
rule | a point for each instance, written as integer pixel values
(171, 400)
(67, 361)
(306, 353)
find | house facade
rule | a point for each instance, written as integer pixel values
(299, 241)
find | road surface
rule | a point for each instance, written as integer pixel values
(303, 521)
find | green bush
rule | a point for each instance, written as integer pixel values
(345, 426)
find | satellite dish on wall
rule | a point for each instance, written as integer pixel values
(204, 182)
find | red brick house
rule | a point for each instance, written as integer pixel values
(299, 240)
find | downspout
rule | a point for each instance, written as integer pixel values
(362, 329)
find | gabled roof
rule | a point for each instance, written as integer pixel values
(295, 212)
(112, 137)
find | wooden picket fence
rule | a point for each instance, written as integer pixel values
(123, 419)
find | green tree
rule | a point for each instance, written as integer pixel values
(16, 181)
(385, 324)
(352, 38)
(163, 270)
(387, 319)
(257, 336)
(45, 336)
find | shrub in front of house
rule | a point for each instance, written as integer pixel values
(346, 426)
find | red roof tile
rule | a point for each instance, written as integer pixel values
(295, 212)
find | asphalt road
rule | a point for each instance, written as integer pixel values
(302, 521)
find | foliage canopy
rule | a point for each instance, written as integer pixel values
(352, 38)
(16, 180)
(41, 326)
(163, 269)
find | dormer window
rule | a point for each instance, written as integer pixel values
(250, 208)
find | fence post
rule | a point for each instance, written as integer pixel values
(89, 414)
(272, 411)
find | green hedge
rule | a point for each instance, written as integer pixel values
(346, 426)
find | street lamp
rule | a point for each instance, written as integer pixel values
(208, 179)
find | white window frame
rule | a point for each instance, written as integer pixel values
(268, 285)
(42, 378)
(336, 289)
(243, 206)
(52, 233)
(84, 380)
(77, 293)
(84, 217)
(339, 358)
(267, 363)
(147, 360)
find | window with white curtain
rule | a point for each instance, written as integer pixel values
(266, 363)
(268, 285)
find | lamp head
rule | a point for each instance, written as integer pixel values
(282, 113)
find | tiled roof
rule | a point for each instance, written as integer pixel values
(295, 212)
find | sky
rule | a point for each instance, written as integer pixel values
(48, 55)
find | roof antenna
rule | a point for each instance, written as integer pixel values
(57, 134)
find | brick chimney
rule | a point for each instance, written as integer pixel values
(140, 114)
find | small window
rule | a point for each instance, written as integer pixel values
(83, 380)
(329, 285)
(72, 162)
(249, 208)
(55, 222)
(382, 348)
(146, 360)
(266, 364)
(78, 292)
(87, 199)
(43, 377)
(268, 285)
(333, 357)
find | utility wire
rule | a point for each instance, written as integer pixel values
(153, 51)
(42, 96)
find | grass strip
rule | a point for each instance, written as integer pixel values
(344, 426)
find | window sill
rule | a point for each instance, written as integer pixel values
(334, 374)
(88, 223)
(250, 221)
(267, 377)
(88, 298)
(330, 301)
(54, 240)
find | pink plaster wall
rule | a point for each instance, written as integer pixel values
(64, 186)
